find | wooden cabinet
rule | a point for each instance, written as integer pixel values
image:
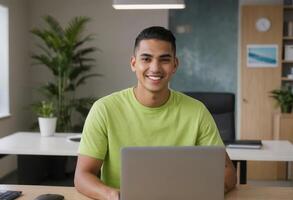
(283, 130)
(283, 126)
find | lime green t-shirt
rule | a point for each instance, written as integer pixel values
(119, 120)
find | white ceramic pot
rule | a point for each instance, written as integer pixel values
(47, 126)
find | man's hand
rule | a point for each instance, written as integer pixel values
(114, 195)
(230, 175)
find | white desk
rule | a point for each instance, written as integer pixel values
(272, 150)
(29, 143)
(38, 154)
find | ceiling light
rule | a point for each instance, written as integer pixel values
(148, 4)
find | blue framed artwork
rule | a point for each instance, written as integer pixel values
(262, 55)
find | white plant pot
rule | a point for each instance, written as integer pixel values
(47, 126)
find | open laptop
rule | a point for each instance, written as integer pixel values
(172, 173)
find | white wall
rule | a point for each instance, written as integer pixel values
(115, 32)
(19, 78)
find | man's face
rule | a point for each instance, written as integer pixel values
(154, 63)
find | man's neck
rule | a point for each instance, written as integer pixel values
(151, 99)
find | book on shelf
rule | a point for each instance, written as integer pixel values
(288, 2)
(244, 144)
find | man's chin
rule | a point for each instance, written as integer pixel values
(157, 90)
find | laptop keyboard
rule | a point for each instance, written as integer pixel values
(9, 194)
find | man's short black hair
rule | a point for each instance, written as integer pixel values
(156, 32)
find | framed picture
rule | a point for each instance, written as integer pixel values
(265, 55)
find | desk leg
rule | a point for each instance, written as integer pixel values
(289, 172)
(243, 171)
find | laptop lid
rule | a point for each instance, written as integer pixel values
(160, 173)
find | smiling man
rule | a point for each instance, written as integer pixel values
(149, 114)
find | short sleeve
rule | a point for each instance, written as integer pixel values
(208, 131)
(94, 141)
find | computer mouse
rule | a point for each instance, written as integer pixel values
(49, 197)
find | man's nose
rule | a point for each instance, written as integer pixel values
(155, 65)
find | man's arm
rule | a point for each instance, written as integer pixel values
(87, 182)
(230, 175)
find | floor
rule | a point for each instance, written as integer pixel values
(287, 183)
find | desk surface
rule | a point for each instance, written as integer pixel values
(272, 150)
(29, 143)
(242, 192)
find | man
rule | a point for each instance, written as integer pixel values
(150, 114)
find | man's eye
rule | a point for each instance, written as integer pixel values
(145, 59)
(165, 60)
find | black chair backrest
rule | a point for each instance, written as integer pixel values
(222, 107)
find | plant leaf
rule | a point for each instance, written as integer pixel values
(82, 79)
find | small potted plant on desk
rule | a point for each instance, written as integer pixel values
(46, 117)
(284, 98)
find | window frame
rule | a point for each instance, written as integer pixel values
(4, 57)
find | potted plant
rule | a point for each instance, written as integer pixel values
(284, 98)
(66, 52)
(67, 55)
(46, 117)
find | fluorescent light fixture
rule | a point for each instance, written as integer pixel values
(148, 4)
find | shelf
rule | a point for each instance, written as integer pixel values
(288, 38)
(287, 61)
(286, 79)
(288, 7)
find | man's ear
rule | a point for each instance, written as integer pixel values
(176, 65)
(132, 63)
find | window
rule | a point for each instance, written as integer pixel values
(4, 59)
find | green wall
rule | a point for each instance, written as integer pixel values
(207, 50)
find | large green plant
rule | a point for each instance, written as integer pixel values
(65, 52)
(284, 98)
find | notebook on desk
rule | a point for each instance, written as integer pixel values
(172, 173)
(244, 144)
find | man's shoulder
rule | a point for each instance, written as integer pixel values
(116, 98)
(186, 100)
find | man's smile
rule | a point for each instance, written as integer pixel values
(154, 77)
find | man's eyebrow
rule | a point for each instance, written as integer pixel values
(165, 56)
(145, 55)
(161, 56)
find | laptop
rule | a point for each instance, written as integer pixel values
(172, 173)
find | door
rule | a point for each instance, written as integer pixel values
(257, 107)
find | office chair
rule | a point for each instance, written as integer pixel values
(222, 107)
